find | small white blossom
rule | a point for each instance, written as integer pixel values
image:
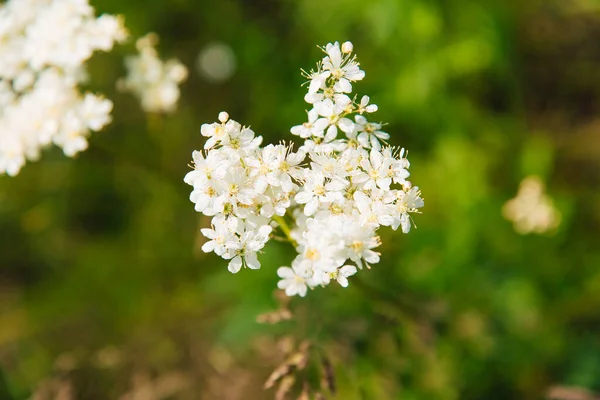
(344, 69)
(292, 282)
(244, 251)
(343, 273)
(375, 171)
(314, 127)
(365, 107)
(532, 211)
(155, 82)
(369, 133)
(220, 236)
(407, 202)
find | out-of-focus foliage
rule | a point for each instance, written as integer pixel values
(104, 292)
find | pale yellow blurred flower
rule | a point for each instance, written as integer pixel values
(532, 211)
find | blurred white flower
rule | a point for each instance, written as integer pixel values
(43, 47)
(155, 82)
(531, 211)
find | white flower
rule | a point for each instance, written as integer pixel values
(333, 201)
(317, 81)
(44, 47)
(316, 190)
(376, 171)
(291, 282)
(212, 168)
(359, 241)
(244, 252)
(240, 142)
(369, 133)
(399, 168)
(532, 210)
(365, 107)
(314, 127)
(343, 273)
(328, 164)
(343, 68)
(407, 202)
(283, 166)
(238, 188)
(221, 234)
(206, 197)
(155, 82)
(372, 212)
(332, 111)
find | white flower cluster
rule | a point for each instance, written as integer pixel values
(329, 198)
(532, 210)
(155, 82)
(43, 47)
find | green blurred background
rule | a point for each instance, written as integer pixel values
(105, 294)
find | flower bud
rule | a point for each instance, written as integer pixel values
(223, 116)
(347, 47)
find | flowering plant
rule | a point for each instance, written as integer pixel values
(328, 198)
(44, 47)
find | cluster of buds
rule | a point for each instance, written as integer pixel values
(44, 45)
(328, 199)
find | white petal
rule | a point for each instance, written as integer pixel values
(304, 197)
(252, 261)
(343, 86)
(209, 246)
(235, 265)
(285, 272)
(331, 133)
(311, 207)
(348, 270)
(346, 125)
(342, 280)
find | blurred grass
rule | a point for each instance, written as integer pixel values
(101, 252)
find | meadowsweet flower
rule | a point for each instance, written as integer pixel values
(342, 274)
(155, 82)
(44, 46)
(329, 198)
(375, 171)
(369, 133)
(243, 252)
(315, 126)
(293, 282)
(532, 211)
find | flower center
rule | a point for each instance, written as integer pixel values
(219, 131)
(336, 209)
(369, 128)
(210, 191)
(319, 190)
(313, 254)
(357, 246)
(235, 143)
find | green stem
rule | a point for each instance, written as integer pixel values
(285, 228)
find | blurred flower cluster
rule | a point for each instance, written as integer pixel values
(155, 82)
(532, 211)
(329, 198)
(44, 45)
